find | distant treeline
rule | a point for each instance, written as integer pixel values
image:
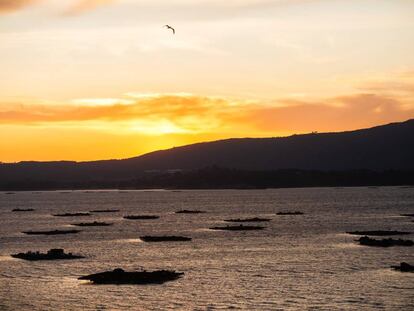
(223, 178)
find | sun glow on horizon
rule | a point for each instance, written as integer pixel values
(89, 80)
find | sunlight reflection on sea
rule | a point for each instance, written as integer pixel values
(303, 262)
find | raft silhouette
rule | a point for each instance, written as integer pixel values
(92, 224)
(365, 240)
(186, 211)
(404, 267)
(22, 210)
(72, 214)
(379, 232)
(51, 232)
(165, 238)
(238, 228)
(52, 254)
(141, 217)
(119, 276)
(254, 219)
(290, 213)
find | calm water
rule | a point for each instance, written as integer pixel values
(297, 263)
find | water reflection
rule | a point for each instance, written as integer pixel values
(297, 263)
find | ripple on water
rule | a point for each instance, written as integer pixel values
(347, 245)
(8, 258)
(295, 264)
(129, 241)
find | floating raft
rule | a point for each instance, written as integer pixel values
(141, 217)
(72, 214)
(165, 238)
(238, 228)
(404, 267)
(51, 232)
(379, 232)
(254, 219)
(367, 241)
(52, 254)
(290, 213)
(92, 224)
(119, 276)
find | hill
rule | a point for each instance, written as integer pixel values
(381, 148)
(384, 147)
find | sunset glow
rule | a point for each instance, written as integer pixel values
(88, 80)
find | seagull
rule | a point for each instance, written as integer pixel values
(169, 27)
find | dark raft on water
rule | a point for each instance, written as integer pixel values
(104, 211)
(119, 276)
(165, 238)
(238, 228)
(141, 217)
(290, 213)
(22, 210)
(72, 214)
(51, 232)
(186, 211)
(52, 254)
(379, 232)
(404, 267)
(92, 224)
(254, 219)
(384, 242)
(407, 215)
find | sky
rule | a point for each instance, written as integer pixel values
(102, 79)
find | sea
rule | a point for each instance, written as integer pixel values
(298, 262)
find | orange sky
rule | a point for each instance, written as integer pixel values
(85, 80)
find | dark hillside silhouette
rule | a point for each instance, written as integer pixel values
(384, 148)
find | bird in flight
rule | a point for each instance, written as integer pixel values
(169, 27)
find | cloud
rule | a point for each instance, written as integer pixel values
(76, 7)
(210, 8)
(401, 84)
(81, 6)
(201, 114)
(163, 113)
(8, 6)
(333, 114)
